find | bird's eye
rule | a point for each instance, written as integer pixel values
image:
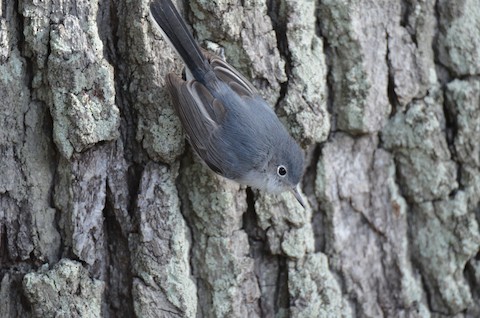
(281, 171)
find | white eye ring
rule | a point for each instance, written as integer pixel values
(282, 171)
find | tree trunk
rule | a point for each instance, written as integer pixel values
(105, 211)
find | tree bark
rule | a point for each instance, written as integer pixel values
(106, 212)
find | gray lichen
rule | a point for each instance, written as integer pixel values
(366, 226)
(458, 42)
(66, 290)
(359, 82)
(445, 236)
(391, 224)
(314, 289)
(305, 101)
(417, 139)
(221, 264)
(161, 250)
(83, 94)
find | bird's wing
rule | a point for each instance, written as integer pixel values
(229, 75)
(201, 115)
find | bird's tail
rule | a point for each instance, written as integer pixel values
(176, 32)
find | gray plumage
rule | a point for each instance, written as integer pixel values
(228, 124)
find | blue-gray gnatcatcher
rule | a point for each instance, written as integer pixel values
(228, 124)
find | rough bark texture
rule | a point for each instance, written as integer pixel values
(105, 211)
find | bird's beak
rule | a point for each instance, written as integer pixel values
(298, 196)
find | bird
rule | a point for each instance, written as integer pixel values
(228, 124)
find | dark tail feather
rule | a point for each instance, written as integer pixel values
(172, 24)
